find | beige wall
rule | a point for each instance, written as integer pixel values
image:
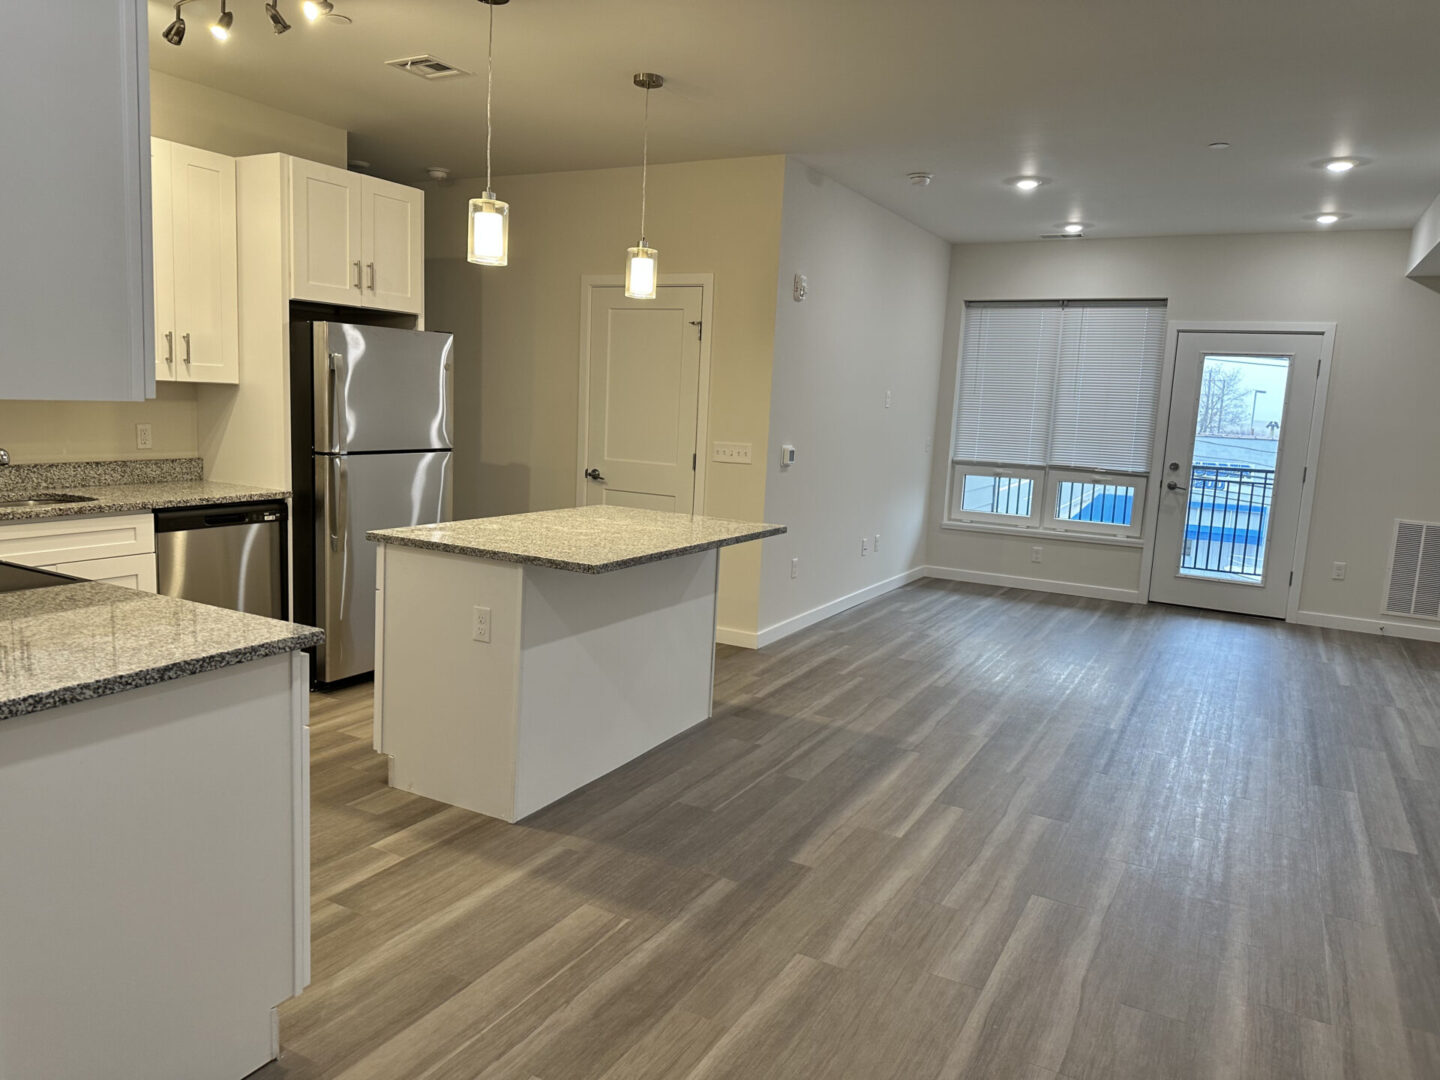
(1380, 454)
(187, 112)
(517, 391)
(196, 115)
(872, 323)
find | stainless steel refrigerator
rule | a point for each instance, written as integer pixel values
(372, 409)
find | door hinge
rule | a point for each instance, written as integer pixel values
(1292, 577)
(699, 329)
(694, 461)
(1304, 474)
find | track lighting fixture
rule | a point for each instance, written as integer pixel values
(175, 32)
(272, 8)
(317, 9)
(221, 26)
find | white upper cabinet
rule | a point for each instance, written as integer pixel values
(196, 304)
(75, 302)
(327, 263)
(356, 240)
(393, 241)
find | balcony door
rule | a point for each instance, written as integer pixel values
(1234, 470)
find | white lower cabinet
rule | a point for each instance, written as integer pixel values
(116, 548)
(132, 571)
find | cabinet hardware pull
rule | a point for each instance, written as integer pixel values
(170, 347)
(372, 276)
(357, 276)
(186, 338)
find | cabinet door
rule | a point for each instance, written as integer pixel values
(132, 571)
(75, 276)
(202, 189)
(326, 258)
(394, 246)
(163, 232)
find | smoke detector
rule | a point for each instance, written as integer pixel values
(438, 172)
(920, 179)
(427, 67)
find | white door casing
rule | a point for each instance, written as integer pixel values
(1204, 510)
(644, 394)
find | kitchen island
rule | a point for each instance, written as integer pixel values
(519, 658)
(154, 832)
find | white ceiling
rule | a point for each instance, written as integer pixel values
(1115, 99)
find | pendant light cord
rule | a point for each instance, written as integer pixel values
(489, 92)
(644, 165)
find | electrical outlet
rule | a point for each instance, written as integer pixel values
(794, 567)
(144, 437)
(888, 398)
(864, 546)
(480, 625)
(737, 453)
(876, 545)
(1337, 571)
(1035, 553)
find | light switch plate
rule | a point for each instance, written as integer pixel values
(737, 453)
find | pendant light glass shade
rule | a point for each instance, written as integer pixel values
(489, 231)
(642, 270)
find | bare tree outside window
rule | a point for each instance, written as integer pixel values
(1224, 401)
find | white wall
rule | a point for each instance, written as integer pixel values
(1380, 455)
(872, 322)
(196, 115)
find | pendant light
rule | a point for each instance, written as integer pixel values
(642, 264)
(489, 217)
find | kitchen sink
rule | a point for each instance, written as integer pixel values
(45, 498)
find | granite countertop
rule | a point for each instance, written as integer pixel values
(139, 498)
(119, 487)
(72, 643)
(587, 539)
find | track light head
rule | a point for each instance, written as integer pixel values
(221, 26)
(272, 8)
(175, 32)
(315, 10)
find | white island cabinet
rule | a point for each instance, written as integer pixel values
(154, 834)
(519, 658)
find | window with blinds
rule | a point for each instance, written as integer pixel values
(1055, 388)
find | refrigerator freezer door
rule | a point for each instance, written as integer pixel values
(377, 388)
(353, 495)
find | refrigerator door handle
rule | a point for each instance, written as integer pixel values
(335, 504)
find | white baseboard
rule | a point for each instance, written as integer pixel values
(1382, 627)
(745, 639)
(799, 622)
(1015, 581)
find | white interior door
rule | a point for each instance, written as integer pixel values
(1234, 469)
(644, 398)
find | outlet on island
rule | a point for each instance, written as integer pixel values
(480, 628)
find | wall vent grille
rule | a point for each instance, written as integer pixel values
(1413, 587)
(427, 67)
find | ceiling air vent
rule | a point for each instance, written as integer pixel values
(1414, 584)
(427, 67)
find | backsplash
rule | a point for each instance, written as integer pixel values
(68, 474)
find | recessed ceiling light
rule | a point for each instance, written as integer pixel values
(1340, 165)
(1074, 228)
(1329, 217)
(920, 179)
(1220, 145)
(1027, 183)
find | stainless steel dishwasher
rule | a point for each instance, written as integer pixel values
(228, 556)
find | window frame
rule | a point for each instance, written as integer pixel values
(957, 513)
(1060, 474)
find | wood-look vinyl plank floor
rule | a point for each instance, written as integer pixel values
(956, 832)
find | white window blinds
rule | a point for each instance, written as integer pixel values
(1063, 383)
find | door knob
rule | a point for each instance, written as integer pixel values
(593, 474)
(1172, 486)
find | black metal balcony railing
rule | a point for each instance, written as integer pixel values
(1227, 520)
(990, 494)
